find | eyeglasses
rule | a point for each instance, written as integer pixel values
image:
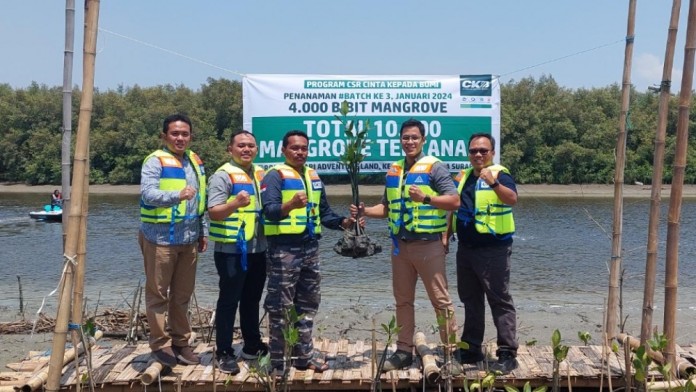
(482, 151)
(407, 138)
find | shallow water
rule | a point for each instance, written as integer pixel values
(560, 256)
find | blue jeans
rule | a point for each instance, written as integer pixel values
(241, 289)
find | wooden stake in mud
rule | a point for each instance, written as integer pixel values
(21, 296)
(658, 165)
(617, 232)
(675, 196)
(76, 212)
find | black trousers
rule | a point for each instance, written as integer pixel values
(243, 289)
(485, 273)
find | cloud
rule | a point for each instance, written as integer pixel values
(647, 71)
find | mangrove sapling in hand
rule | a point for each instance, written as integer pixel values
(355, 243)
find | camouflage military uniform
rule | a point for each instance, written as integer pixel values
(294, 279)
(293, 273)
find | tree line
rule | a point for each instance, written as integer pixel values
(550, 134)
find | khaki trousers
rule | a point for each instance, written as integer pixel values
(427, 260)
(170, 273)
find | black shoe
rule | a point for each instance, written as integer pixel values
(468, 356)
(228, 364)
(399, 360)
(506, 362)
(254, 352)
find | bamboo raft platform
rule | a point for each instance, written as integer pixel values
(119, 368)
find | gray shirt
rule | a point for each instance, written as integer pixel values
(188, 230)
(441, 181)
(219, 187)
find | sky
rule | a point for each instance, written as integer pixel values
(580, 43)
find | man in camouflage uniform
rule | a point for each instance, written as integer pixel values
(295, 207)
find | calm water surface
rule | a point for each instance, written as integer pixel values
(560, 258)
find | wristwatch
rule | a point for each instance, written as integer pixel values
(426, 199)
(494, 184)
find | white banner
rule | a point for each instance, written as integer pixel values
(452, 108)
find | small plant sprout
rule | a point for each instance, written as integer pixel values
(526, 388)
(584, 336)
(560, 352)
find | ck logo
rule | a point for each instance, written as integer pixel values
(475, 85)
(316, 184)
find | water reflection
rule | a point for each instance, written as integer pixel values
(560, 257)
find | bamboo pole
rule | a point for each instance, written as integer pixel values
(80, 172)
(430, 369)
(658, 165)
(67, 110)
(40, 376)
(675, 196)
(615, 262)
(151, 373)
(79, 284)
(669, 385)
(684, 367)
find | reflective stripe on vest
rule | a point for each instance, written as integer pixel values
(414, 216)
(491, 215)
(173, 178)
(299, 219)
(228, 230)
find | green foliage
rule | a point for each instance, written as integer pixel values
(89, 327)
(391, 329)
(584, 336)
(486, 383)
(356, 142)
(526, 388)
(549, 134)
(560, 352)
(641, 364)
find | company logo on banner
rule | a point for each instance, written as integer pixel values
(479, 85)
(451, 108)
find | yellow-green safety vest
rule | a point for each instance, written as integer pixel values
(491, 215)
(299, 219)
(414, 216)
(228, 229)
(173, 178)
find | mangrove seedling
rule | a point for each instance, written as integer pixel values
(391, 330)
(560, 352)
(262, 370)
(584, 336)
(526, 388)
(355, 243)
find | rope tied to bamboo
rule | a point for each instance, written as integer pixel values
(67, 261)
(71, 259)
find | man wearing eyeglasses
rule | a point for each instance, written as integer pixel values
(295, 207)
(484, 226)
(419, 191)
